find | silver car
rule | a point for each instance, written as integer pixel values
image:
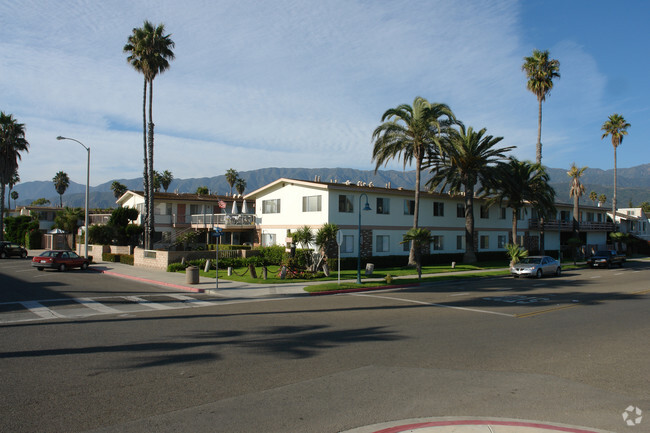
(536, 266)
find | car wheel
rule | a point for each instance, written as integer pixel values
(39, 268)
(3, 255)
(84, 266)
(558, 271)
(62, 267)
(539, 273)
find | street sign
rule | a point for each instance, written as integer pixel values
(339, 237)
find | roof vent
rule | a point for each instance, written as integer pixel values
(347, 182)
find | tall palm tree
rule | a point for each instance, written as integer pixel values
(616, 126)
(61, 183)
(14, 196)
(240, 186)
(12, 142)
(518, 183)
(166, 179)
(540, 71)
(411, 133)
(150, 51)
(576, 191)
(231, 177)
(593, 196)
(15, 178)
(465, 158)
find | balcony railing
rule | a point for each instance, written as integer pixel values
(224, 220)
(585, 226)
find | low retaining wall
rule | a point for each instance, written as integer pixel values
(155, 259)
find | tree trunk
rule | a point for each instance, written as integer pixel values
(514, 226)
(614, 199)
(145, 174)
(576, 216)
(151, 166)
(469, 256)
(2, 211)
(539, 133)
(416, 211)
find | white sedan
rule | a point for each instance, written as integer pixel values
(536, 266)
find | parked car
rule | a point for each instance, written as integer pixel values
(536, 266)
(7, 249)
(61, 260)
(606, 258)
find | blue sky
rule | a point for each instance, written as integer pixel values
(304, 83)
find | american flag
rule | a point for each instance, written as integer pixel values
(222, 204)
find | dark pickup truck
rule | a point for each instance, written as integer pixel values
(607, 258)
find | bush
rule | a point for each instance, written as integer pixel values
(127, 259)
(33, 239)
(175, 267)
(102, 235)
(273, 255)
(110, 257)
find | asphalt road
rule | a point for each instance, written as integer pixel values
(572, 350)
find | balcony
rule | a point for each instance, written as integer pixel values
(567, 226)
(226, 221)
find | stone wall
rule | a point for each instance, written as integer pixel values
(366, 243)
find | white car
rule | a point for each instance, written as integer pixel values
(536, 266)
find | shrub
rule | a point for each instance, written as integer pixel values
(273, 255)
(33, 239)
(110, 257)
(102, 235)
(175, 267)
(127, 259)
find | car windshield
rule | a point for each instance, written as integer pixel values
(602, 253)
(531, 261)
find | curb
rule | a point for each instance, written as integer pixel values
(149, 281)
(361, 289)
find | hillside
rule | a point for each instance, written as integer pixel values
(633, 184)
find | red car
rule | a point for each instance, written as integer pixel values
(61, 260)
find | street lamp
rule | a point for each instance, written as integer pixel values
(366, 207)
(87, 186)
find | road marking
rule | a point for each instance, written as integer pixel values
(459, 294)
(191, 301)
(41, 310)
(548, 310)
(97, 306)
(146, 303)
(433, 305)
(593, 278)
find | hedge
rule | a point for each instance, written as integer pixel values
(127, 259)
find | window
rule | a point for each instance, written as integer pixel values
(600, 218)
(485, 212)
(311, 203)
(383, 206)
(406, 246)
(501, 241)
(345, 204)
(520, 214)
(409, 207)
(268, 239)
(348, 244)
(438, 243)
(168, 208)
(438, 208)
(485, 242)
(590, 216)
(502, 214)
(271, 206)
(460, 210)
(382, 243)
(565, 215)
(460, 242)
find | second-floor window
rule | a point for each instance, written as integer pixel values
(271, 206)
(311, 203)
(502, 214)
(345, 203)
(409, 207)
(383, 205)
(485, 212)
(460, 210)
(438, 208)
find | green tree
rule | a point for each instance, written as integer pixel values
(231, 178)
(118, 189)
(465, 158)
(12, 143)
(166, 179)
(156, 181)
(202, 190)
(15, 178)
(240, 186)
(518, 183)
(69, 219)
(150, 51)
(593, 196)
(576, 190)
(410, 133)
(40, 202)
(516, 253)
(14, 196)
(602, 199)
(616, 127)
(326, 241)
(16, 227)
(61, 183)
(540, 71)
(421, 239)
(646, 207)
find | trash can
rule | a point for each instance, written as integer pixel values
(192, 275)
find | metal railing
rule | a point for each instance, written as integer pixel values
(534, 224)
(228, 220)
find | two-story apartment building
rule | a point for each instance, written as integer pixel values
(633, 221)
(288, 204)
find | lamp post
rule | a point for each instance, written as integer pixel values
(87, 187)
(366, 207)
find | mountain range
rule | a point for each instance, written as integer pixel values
(633, 184)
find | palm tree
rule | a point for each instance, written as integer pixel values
(149, 52)
(231, 177)
(240, 186)
(465, 158)
(156, 181)
(12, 142)
(602, 199)
(15, 178)
(14, 196)
(616, 126)
(576, 190)
(540, 71)
(518, 183)
(326, 241)
(593, 196)
(421, 238)
(166, 179)
(118, 189)
(61, 183)
(411, 133)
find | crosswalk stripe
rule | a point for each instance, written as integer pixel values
(190, 300)
(97, 306)
(146, 303)
(41, 310)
